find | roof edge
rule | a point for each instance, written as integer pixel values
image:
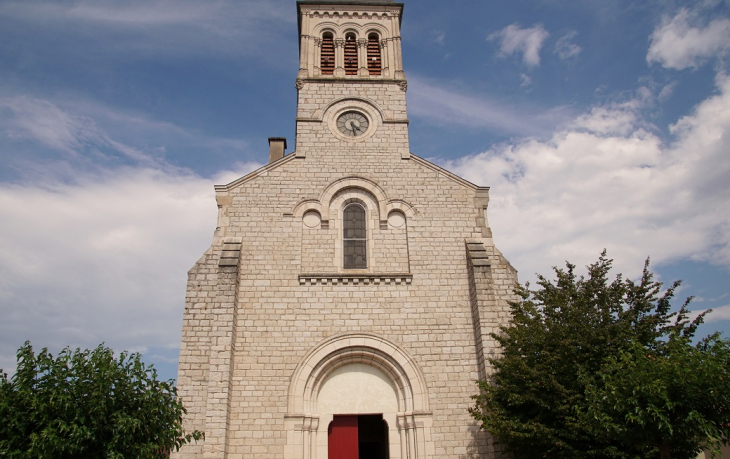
(252, 175)
(451, 175)
(350, 3)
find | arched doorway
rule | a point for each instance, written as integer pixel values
(364, 385)
(361, 436)
(357, 396)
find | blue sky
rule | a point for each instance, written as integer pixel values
(596, 124)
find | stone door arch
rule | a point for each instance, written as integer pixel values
(409, 422)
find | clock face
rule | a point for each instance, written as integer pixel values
(352, 124)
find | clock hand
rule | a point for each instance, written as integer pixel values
(352, 125)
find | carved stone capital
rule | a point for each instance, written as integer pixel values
(318, 42)
(362, 42)
(339, 42)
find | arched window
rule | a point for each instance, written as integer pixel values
(350, 54)
(327, 61)
(374, 60)
(354, 237)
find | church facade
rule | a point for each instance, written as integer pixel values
(344, 307)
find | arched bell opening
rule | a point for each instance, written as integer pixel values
(327, 54)
(375, 61)
(350, 54)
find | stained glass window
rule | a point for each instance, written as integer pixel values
(354, 237)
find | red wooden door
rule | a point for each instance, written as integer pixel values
(342, 438)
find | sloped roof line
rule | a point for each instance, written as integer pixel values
(451, 175)
(252, 175)
(271, 166)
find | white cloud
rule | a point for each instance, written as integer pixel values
(157, 27)
(678, 43)
(565, 48)
(615, 118)
(667, 91)
(450, 106)
(76, 135)
(438, 37)
(158, 13)
(46, 123)
(605, 181)
(93, 249)
(146, 13)
(104, 259)
(513, 39)
(525, 79)
(716, 315)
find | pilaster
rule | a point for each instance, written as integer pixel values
(222, 347)
(491, 289)
(304, 56)
(339, 58)
(317, 53)
(362, 57)
(385, 58)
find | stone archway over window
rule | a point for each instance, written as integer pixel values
(409, 421)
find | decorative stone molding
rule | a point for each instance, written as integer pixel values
(361, 30)
(357, 348)
(403, 85)
(358, 18)
(355, 279)
(409, 427)
(384, 205)
(368, 185)
(305, 206)
(400, 205)
(338, 105)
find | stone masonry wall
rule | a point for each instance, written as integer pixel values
(441, 316)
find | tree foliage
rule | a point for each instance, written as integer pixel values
(598, 368)
(88, 404)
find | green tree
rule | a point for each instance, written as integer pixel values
(673, 396)
(88, 404)
(598, 368)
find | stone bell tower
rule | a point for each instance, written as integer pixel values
(345, 305)
(350, 67)
(350, 38)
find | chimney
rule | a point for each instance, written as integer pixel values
(277, 147)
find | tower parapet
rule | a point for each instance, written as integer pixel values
(350, 39)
